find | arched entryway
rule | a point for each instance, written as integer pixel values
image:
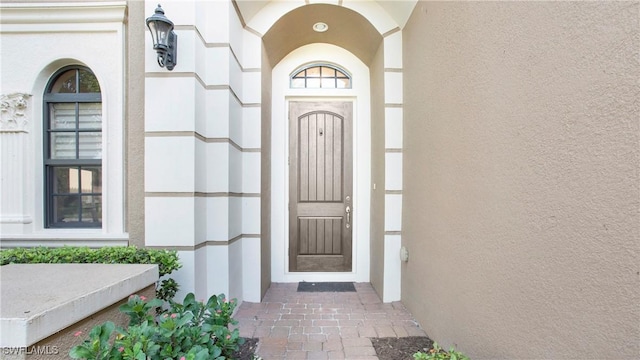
(359, 140)
(356, 39)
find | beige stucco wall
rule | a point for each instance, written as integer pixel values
(521, 184)
(376, 69)
(265, 174)
(134, 122)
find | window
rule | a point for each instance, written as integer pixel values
(73, 150)
(321, 77)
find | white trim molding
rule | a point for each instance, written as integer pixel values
(62, 13)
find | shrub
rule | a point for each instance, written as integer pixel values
(192, 330)
(166, 260)
(436, 353)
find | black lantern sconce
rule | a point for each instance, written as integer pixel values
(165, 41)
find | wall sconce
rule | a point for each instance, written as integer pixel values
(165, 41)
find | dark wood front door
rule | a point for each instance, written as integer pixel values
(320, 193)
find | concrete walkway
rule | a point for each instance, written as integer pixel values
(327, 325)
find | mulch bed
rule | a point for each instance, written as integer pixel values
(246, 350)
(401, 348)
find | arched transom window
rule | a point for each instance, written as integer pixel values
(320, 76)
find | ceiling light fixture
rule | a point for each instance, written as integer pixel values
(320, 27)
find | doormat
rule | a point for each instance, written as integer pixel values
(326, 287)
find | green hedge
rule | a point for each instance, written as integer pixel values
(166, 260)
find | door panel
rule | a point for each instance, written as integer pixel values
(320, 176)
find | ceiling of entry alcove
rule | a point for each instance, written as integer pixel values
(347, 29)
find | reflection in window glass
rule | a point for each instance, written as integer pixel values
(90, 115)
(88, 82)
(62, 116)
(63, 145)
(77, 194)
(65, 83)
(90, 145)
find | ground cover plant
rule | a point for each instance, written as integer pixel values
(193, 330)
(413, 348)
(437, 353)
(166, 260)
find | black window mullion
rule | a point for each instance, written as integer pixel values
(80, 194)
(77, 106)
(48, 193)
(66, 98)
(73, 162)
(77, 81)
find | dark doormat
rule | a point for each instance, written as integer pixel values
(326, 287)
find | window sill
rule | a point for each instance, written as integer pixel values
(62, 237)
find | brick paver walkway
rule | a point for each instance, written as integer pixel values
(335, 325)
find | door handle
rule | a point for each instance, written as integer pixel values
(348, 210)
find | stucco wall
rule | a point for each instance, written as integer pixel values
(376, 69)
(134, 120)
(521, 177)
(265, 174)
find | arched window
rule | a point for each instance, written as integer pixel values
(320, 76)
(73, 149)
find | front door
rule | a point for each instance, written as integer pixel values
(320, 193)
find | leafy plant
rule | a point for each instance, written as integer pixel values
(98, 346)
(138, 309)
(167, 289)
(192, 330)
(166, 260)
(437, 353)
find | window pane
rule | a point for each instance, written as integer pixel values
(63, 145)
(88, 82)
(340, 74)
(328, 72)
(62, 116)
(297, 83)
(90, 146)
(329, 83)
(66, 83)
(91, 209)
(313, 83)
(91, 180)
(66, 208)
(344, 83)
(313, 72)
(90, 115)
(300, 75)
(65, 180)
